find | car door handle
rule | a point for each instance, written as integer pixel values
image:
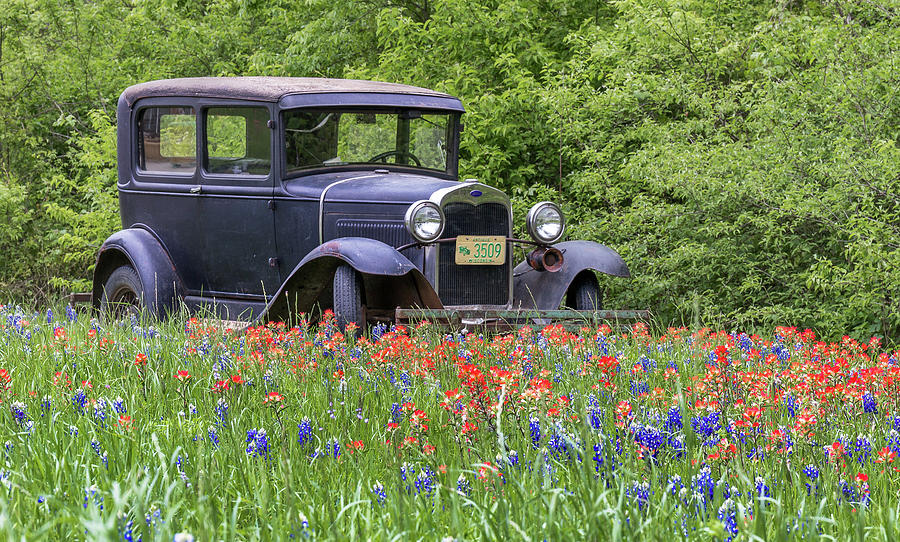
(195, 190)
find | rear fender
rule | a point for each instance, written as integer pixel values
(138, 248)
(390, 280)
(543, 290)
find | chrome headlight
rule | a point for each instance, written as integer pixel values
(545, 223)
(425, 221)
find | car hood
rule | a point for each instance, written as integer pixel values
(367, 186)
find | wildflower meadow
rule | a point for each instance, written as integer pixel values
(181, 430)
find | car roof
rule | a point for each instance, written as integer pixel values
(269, 89)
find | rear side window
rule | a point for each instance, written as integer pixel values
(238, 141)
(167, 140)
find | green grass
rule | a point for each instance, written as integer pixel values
(72, 474)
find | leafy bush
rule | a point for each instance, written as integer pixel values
(743, 158)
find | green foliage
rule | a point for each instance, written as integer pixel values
(741, 156)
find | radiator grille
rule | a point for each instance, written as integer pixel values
(390, 233)
(473, 284)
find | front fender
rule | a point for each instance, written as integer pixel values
(138, 248)
(390, 280)
(544, 291)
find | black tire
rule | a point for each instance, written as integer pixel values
(122, 294)
(348, 298)
(584, 293)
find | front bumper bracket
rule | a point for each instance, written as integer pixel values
(508, 319)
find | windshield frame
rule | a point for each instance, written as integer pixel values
(453, 135)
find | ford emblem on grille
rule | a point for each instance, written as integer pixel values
(475, 193)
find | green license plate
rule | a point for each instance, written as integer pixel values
(480, 250)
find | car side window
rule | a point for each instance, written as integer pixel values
(238, 141)
(167, 140)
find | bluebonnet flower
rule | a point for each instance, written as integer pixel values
(727, 514)
(782, 353)
(71, 315)
(676, 444)
(153, 517)
(396, 413)
(49, 316)
(790, 402)
(336, 448)
(92, 496)
(812, 475)
(601, 344)
(707, 427)
(527, 371)
(100, 411)
(179, 465)
(702, 485)
(595, 414)
(17, 408)
(100, 453)
(377, 331)
(673, 419)
(598, 456)
(258, 443)
(849, 492)
(79, 401)
(119, 406)
(762, 489)
(405, 383)
(304, 433)
(304, 524)
(640, 493)
(674, 485)
(649, 437)
(639, 388)
(425, 481)
(862, 449)
(462, 486)
(213, 436)
(378, 491)
(513, 458)
(46, 405)
(221, 411)
(869, 404)
(534, 426)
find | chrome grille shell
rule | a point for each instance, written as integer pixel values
(473, 286)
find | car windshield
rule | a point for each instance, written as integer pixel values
(339, 137)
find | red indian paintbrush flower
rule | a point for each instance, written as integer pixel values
(273, 398)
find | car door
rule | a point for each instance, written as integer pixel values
(163, 197)
(235, 203)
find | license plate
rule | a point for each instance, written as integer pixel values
(480, 250)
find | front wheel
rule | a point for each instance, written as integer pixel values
(122, 293)
(348, 298)
(584, 293)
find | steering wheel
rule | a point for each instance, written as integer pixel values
(384, 155)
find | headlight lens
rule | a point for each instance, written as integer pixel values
(545, 222)
(425, 221)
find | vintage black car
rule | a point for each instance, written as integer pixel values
(266, 197)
